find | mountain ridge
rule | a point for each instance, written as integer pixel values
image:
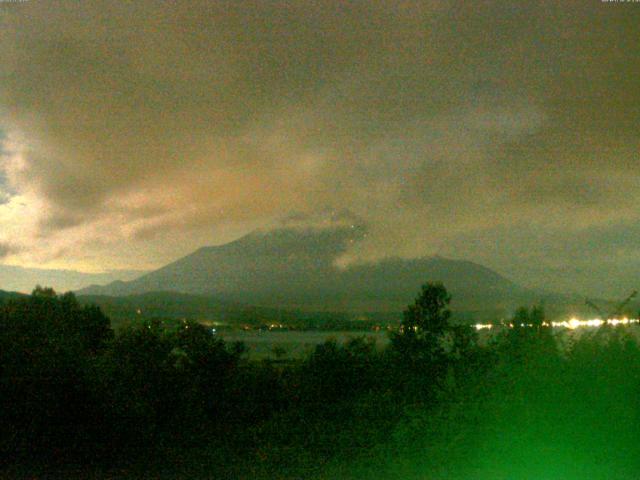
(24, 279)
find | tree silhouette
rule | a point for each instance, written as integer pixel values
(521, 318)
(429, 315)
(48, 344)
(536, 316)
(419, 341)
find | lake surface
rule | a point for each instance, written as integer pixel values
(261, 344)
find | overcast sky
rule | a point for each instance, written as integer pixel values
(503, 132)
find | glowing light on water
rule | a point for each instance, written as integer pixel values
(594, 322)
(572, 323)
(481, 326)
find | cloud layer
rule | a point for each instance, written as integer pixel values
(135, 132)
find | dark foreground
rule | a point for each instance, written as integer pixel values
(78, 402)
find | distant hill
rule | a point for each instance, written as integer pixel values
(4, 296)
(24, 280)
(294, 269)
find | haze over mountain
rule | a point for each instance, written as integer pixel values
(299, 268)
(502, 132)
(21, 279)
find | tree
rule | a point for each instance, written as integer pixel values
(532, 318)
(419, 340)
(521, 318)
(530, 337)
(537, 316)
(43, 292)
(48, 345)
(429, 315)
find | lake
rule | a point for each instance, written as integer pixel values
(296, 344)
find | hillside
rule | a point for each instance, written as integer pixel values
(21, 279)
(5, 296)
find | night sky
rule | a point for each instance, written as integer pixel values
(502, 132)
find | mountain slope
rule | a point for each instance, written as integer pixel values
(24, 280)
(290, 268)
(7, 296)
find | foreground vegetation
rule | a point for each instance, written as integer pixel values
(78, 401)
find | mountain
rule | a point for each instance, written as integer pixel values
(25, 279)
(6, 296)
(293, 268)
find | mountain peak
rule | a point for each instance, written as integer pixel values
(293, 267)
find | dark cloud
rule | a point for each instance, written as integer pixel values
(430, 121)
(7, 249)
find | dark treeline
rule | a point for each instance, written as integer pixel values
(79, 401)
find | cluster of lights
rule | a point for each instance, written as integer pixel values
(596, 322)
(571, 324)
(482, 326)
